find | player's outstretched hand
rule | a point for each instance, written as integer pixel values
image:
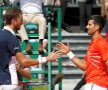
(63, 48)
(53, 56)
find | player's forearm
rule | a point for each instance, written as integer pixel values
(24, 61)
(29, 62)
(79, 63)
(32, 62)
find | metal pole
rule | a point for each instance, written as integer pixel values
(49, 63)
(59, 39)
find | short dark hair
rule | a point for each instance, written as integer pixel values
(98, 19)
(11, 13)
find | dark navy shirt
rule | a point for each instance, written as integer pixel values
(9, 46)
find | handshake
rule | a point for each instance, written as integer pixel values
(59, 50)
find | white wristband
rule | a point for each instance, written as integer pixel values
(42, 60)
(70, 54)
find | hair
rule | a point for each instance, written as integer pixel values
(99, 20)
(11, 13)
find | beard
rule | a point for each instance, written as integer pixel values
(17, 28)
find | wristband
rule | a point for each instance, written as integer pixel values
(42, 59)
(70, 54)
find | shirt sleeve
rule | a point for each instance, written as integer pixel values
(13, 46)
(103, 50)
